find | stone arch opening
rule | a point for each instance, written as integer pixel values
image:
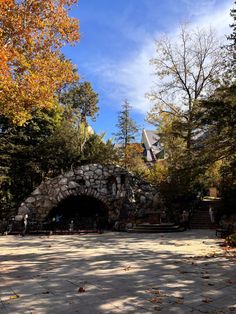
(83, 210)
(104, 188)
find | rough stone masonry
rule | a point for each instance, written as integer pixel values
(119, 191)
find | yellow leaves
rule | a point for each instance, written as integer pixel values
(159, 172)
(33, 89)
(31, 67)
(15, 296)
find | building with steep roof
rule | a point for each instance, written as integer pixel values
(153, 149)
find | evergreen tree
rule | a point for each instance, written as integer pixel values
(230, 52)
(127, 128)
(232, 36)
(20, 160)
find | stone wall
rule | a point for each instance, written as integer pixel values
(117, 188)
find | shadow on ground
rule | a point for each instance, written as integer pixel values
(117, 273)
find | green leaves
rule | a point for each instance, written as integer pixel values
(127, 128)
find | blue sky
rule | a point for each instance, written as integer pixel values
(118, 40)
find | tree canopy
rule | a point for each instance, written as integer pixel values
(186, 69)
(32, 69)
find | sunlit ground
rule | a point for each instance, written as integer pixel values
(184, 272)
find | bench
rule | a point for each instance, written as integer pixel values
(224, 232)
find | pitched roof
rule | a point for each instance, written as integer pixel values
(152, 137)
(152, 144)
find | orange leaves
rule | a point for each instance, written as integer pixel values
(6, 4)
(132, 150)
(31, 67)
(3, 62)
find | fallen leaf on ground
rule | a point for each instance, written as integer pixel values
(155, 300)
(156, 308)
(127, 268)
(207, 300)
(231, 281)
(81, 290)
(15, 296)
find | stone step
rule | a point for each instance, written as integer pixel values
(56, 232)
(155, 228)
(201, 218)
(200, 221)
(201, 227)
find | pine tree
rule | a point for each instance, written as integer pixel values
(127, 127)
(230, 51)
(232, 37)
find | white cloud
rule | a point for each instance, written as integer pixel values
(199, 8)
(132, 78)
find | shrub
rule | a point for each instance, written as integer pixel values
(231, 240)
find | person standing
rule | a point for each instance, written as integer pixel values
(211, 214)
(58, 221)
(25, 224)
(185, 219)
(98, 223)
(71, 226)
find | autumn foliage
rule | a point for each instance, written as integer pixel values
(32, 33)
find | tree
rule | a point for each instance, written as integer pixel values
(134, 160)
(217, 115)
(187, 69)
(80, 102)
(232, 37)
(96, 150)
(229, 50)
(61, 150)
(127, 128)
(20, 157)
(31, 67)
